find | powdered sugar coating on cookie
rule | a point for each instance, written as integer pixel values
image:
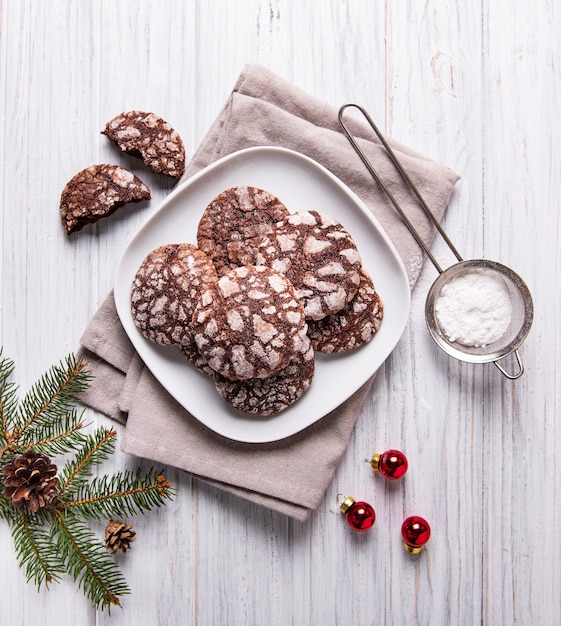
(234, 221)
(354, 325)
(318, 256)
(96, 192)
(271, 395)
(192, 354)
(166, 288)
(150, 137)
(250, 324)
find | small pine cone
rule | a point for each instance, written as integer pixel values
(118, 536)
(30, 481)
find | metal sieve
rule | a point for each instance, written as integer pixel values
(522, 309)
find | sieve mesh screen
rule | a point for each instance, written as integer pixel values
(521, 312)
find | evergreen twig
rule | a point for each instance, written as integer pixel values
(97, 448)
(86, 561)
(124, 493)
(52, 538)
(8, 400)
(35, 552)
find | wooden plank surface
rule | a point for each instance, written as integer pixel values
(476, 87)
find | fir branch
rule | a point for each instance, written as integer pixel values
(51, 396)
(85, 559)
(34, 549)
(6, 509)
(98, 447)
(54, 540)
(123, 494)
(8, 401)
(51, 438)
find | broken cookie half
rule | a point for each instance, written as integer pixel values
(151, 138)
(96, 192)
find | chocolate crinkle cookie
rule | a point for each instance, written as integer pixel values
(234, 222)
(352, 326)
(250, 325)
(164, 292)
(96, 192)
(151, 138)
(315, 252)
(271, 395)
(192, 354)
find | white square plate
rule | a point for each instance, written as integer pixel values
(302, 185)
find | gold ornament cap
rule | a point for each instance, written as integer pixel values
(346, 504)
(375, 462)
(412, 549)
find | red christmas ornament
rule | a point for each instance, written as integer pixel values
(415, 532)
(360, 516)
(392, 464)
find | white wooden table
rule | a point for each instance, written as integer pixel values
(476, 87)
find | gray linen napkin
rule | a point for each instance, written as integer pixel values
(291, 475)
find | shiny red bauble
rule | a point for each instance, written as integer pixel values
(392, 464)
(360, 516)
(415, 532)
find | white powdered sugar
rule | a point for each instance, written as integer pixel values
(474, 308)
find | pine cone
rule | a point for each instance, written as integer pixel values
(30, 481)
(118, 536)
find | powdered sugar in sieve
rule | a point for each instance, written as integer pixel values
(474, 308)
(490, 327)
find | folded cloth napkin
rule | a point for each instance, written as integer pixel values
(291, 475)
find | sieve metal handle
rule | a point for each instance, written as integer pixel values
(407, 179)
(507, 374)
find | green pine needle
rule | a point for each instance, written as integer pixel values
(46, 413)
(8, 399)
(35, 551)
(52, 438)
(51, 397)
(55, 540)
(7, 511)
(96, 448)
(87, 562)
(121, 495)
